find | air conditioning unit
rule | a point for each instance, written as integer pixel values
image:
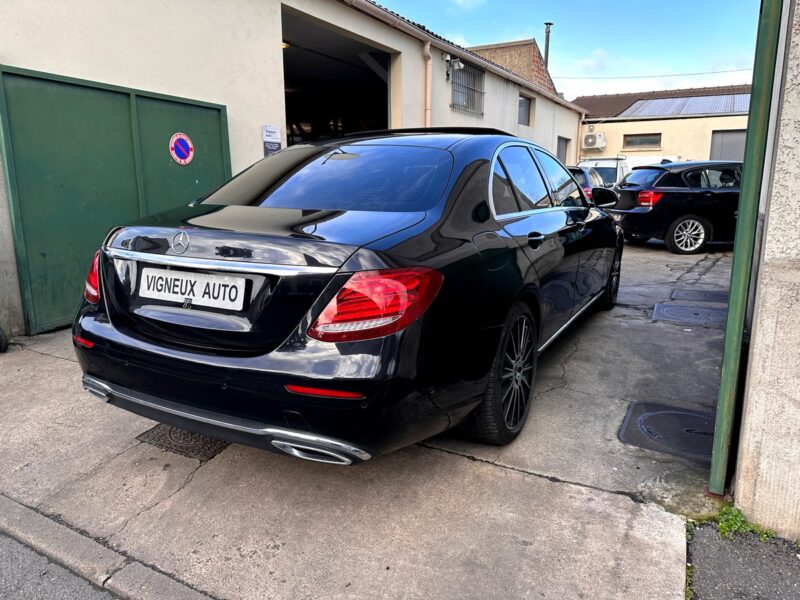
(594, 141)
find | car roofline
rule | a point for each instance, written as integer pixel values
(429, 130)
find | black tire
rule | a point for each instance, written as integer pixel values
(609, 298)
(3, 342)
(688, 234)
(508, 397)
(636, 240)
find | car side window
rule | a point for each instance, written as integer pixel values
(565, 191)
(579, 177)
(526, 180)
(597, 181)
(502, 196)
(694, 178)
(671, 180)
(720, 177)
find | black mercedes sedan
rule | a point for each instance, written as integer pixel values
(686, 204)
(340, 300)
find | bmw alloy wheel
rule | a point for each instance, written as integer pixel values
(689, 235)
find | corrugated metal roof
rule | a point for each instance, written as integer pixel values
(722, 104)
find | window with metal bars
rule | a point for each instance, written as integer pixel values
(468, 89)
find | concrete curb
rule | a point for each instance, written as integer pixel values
(91, 560)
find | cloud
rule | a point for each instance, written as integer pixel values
(457, 38)
(599, 62)
(467, 4)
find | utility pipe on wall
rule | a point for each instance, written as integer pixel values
(547, 27)
(426, 52)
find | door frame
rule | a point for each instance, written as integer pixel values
(12, 192)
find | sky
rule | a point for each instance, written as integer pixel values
(616, 38)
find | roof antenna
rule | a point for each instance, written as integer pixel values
(547, 27)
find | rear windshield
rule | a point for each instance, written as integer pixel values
(609, 174)
(355, 177)
(579, 176)
(642, 177)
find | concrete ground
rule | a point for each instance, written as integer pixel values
(567, 511)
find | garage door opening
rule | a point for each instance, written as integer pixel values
(334, 84)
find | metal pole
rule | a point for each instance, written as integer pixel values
(769, 26)
(547, 27)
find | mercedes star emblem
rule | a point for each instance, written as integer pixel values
(180, 243)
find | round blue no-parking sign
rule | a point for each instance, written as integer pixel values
(181, 148)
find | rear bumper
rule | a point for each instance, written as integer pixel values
(300, 444)
(245, 400)
(640, 221)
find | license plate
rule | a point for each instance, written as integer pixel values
(189, 289)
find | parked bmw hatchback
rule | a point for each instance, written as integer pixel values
(341, 300)
(685, 204)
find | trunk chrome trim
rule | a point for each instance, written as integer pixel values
(233, 266)
(568, 323)
(301, 440)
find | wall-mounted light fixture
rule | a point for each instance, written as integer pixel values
(453, 64)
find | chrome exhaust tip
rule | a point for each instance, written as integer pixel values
(96, 393)
(312, 453)
(96, 388)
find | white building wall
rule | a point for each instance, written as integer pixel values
(549, 120)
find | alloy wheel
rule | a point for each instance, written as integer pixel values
(689, 235)
(517, 377)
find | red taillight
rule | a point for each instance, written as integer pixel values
(322, 392)
(91, 290)
(648, 198)
(82, 341)
(588, 192)
(374, 304)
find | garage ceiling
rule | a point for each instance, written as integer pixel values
(320, 57)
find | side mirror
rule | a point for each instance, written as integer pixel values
(604, 197)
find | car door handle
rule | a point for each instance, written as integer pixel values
(535, 239)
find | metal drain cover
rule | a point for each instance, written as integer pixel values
(669, 429)
(701, 295)
(690, 315)
(180, 441)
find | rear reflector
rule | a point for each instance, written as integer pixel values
(648, 198)
(322, 392)
(373, 304)
(91, 290)
(82, 341)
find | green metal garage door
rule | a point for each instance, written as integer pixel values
(82, 157)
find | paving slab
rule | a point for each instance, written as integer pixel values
(51, 430)
(117, 490)
(418, 523)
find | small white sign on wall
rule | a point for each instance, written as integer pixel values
(271, 136)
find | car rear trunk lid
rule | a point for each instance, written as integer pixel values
(231, 279)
